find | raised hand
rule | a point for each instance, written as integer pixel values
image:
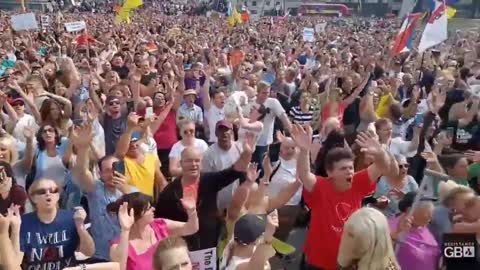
(132, 121)
(126, 218)
(82, 136)
(249, 142)
(120, 181)
(369, 144)
(4, 224)
(252, 172)
(271, 226)
(267, 165)
(79, 216)
(28, 133)
(429, 156)
(302, 136)
(13, 214)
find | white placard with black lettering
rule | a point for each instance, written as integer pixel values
(320, 27)
(45, 21)
(26, 21)
(75, 26)
(205, 259)
(308, 34)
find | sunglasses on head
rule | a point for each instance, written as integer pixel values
(43, 191)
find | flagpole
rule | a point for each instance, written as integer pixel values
(420, 75)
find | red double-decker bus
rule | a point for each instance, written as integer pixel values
(323, 9)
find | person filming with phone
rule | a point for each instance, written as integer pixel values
(111, 186)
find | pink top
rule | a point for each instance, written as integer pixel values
(144, 261)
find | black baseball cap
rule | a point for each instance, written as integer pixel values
(249, 228)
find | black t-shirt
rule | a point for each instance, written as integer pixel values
(464, 138)
(122, 71)
(145, 80)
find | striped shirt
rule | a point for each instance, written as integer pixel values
(301, 118)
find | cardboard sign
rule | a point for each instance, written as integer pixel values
(26, 21)
(319, 28)
(205, 259)
(75, 26)
(308, 34)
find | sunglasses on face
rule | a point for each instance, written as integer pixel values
(17, 104)
(403, 166)
(111, 103)
(43, 191)
(189, 131)
(49, 130)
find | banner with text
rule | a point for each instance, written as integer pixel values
(75, 26)
(205, 259)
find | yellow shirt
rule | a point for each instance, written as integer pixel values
(142, 175)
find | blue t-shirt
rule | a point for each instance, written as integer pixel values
(49, 246)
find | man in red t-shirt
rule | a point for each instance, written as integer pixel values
(332, 200)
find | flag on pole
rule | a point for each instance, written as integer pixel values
(123, 15)
(403, 41)
(436, 29)
(132, 4)
(451, 12)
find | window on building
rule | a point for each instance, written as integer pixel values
(267, 3)
(254, 3)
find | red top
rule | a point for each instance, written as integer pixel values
(330, 211)
(17, 196)
(83, 39)
(166, 135)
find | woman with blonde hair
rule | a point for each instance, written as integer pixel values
(9, 154)
(366, 242)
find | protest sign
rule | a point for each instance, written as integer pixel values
(205, 259)
(320, 27)
(75, 26)
(308, 34)
(24, 21)
(45, 21)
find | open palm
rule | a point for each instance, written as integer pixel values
(369, 144)
(125, 217)
(302, 136)
(82, 136)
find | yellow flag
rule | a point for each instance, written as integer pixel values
(123, 15)
(451, 12)
(236, 16)
(132, 3)
(231, 21)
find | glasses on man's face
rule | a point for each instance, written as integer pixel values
(44, 191)
(403, 166)
(111, 103)
(17, 104)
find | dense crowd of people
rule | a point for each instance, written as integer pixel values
(178, 142)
